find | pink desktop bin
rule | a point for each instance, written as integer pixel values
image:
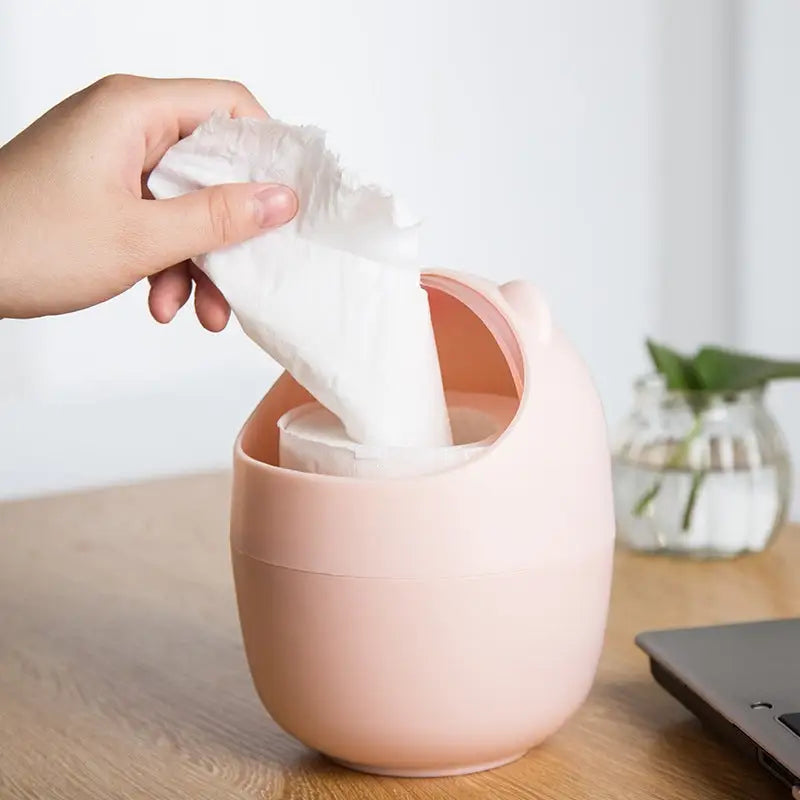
(447, 623)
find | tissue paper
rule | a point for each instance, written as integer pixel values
(311, 439)
(334, 296)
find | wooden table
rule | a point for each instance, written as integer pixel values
(122, 672)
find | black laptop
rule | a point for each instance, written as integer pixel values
(743, 682)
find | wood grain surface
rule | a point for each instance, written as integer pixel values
(122, 672)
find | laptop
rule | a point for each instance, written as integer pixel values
(743, 682)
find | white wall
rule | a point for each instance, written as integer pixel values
(697, 92)
(522, 131)
(769, 197)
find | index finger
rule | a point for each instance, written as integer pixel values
(176, 106)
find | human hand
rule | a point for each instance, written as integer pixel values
(75, 226)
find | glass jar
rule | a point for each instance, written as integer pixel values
(699, 474)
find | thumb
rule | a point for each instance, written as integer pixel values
(211, 218)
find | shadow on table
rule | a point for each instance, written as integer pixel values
(676, 740)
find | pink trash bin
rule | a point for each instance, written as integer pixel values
(446, 623)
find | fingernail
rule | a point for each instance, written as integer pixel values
(275, 205)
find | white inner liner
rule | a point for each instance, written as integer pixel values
(312, 439)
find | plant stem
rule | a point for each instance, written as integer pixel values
(646, 499)
(697, 481)
(677, 458)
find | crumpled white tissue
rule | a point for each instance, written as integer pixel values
(334, 296)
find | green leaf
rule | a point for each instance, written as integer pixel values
(678, 370)
(722, 370)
